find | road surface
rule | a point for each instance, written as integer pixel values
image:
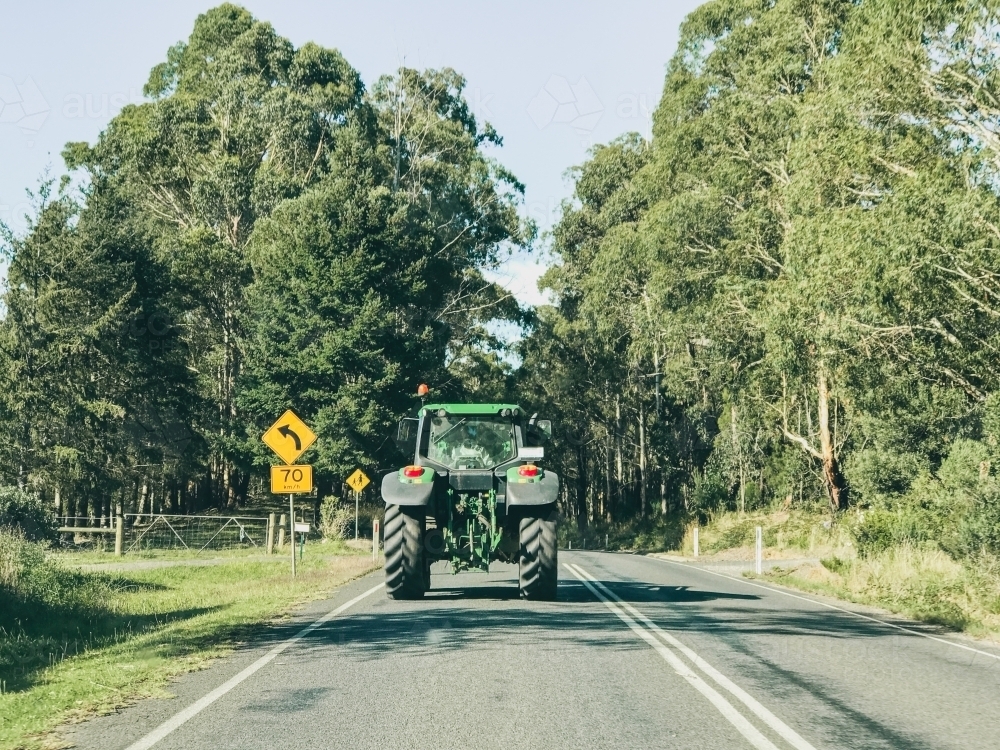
(636, 653)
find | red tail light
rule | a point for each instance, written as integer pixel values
(529, 470)
(412, 472)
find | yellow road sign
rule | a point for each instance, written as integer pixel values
(286, 480)
(358, 480)
(289, 437)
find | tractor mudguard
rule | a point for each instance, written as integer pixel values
(542, 491)
(395, 492)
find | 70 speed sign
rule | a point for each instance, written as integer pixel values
(287, 480)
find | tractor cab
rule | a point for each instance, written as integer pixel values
(472, 437)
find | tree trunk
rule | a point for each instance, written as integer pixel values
(739, 457)
(642, 460)
(607, 480)
(143, 494)
(583, 514)
(619, 467)
(836, 488)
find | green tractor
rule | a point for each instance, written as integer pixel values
(473, 494)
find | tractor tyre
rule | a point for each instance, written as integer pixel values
(405, 570)
(537, 562)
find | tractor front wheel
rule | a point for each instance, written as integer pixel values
(405, 570)
(537, 562)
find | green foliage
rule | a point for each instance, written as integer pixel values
(804, 261)
(260, 233)
(26, 513)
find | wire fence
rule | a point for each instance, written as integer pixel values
(176, 532)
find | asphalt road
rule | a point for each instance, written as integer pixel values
(636, 653)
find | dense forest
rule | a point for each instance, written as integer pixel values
(264, 232)
(789, 295)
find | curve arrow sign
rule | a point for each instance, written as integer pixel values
(288, 432)
(289, 437)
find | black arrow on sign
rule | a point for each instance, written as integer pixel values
(288, 432)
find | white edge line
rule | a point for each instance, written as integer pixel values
(832, 606)
(205, 701)
(724, 707)
(748, 700)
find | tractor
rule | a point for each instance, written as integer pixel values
(473, 494)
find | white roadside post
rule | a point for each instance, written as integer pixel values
(758, 551)
(696, 541)
(374, 539)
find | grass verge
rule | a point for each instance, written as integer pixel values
(922, 584)
(919, 582)
(74, 644)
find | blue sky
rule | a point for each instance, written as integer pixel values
(554, 78)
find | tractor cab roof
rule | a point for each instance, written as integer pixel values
(491, 409)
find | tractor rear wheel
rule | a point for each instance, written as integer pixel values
(405, 571)
(537, 562)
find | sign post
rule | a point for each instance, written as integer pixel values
(291, 515)
(289, 437)
(357, 482)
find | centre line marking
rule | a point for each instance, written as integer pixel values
(789, 734)
(724, 707)
(207, 700)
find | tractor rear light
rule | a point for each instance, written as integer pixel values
(528, 470)
(412, 472)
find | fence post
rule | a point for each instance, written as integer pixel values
(270, 534)
(281, 532)
(119, 536)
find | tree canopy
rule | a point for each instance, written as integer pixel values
(264, 232)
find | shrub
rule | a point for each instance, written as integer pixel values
(25, 511)
(17, 557)
(978, 530)
(879, 530)
(335, 518)
(709, 492)
(876, 473)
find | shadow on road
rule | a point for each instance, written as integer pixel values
(454, 617)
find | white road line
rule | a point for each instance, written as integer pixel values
(205, 701)
(793, 738)
(724, 707)
(833, 606)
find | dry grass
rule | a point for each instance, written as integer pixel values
(787, 534)
(923, 584)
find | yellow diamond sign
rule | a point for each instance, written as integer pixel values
(358, 480)
(289, 437)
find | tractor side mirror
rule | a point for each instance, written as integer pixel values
(406, 437)
(544, 426)
(539, 431)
